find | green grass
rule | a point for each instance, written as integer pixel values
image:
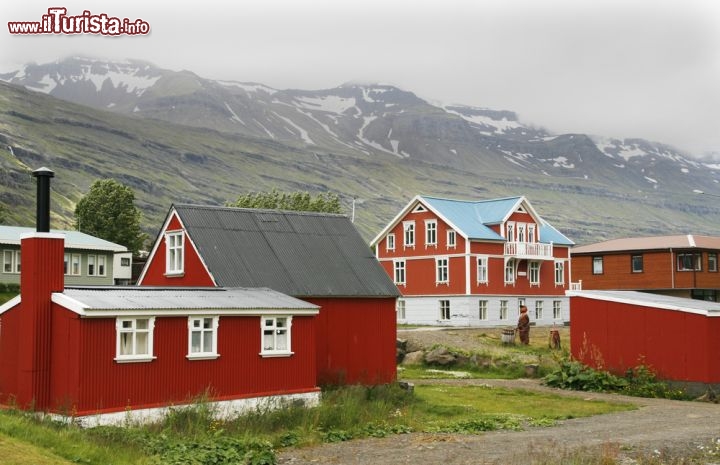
(5, 296)
(195, 436)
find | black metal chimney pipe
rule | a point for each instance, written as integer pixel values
(42, 215)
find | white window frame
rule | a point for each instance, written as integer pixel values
(98, 270)
(509, 272)
(521, 227)
(121, 328)
(503, 310)
(431, 232)
(534, 273)
(442, 270)
(400, 307)
(12, 258)
(444, 306)
(482, 269)
(174, 253)
(531, 233)
(451, 239)
(557, 309)
(390, 242)
(539, 309)
(197, 325)
(597, 264)
(270, 324)
(408, 234)
(510, 231)
(712, 262)
(695, 259)
(482, 309)
(75, 265)
(559, 273)
(399, 272)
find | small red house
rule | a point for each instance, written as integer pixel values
(473, 263)
(317, 257)
(106, 354)
(678, 338)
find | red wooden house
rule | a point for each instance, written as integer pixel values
(317, 257)
(106, 354)
(473, 263)
(681, 265)
(677, 337)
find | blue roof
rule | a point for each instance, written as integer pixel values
(473, 217)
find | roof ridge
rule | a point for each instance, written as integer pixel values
(257, 210)
(472, 201)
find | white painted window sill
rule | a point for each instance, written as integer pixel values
(143, 359)
(277, 354)
(202, 356)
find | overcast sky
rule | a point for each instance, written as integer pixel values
(632, 68)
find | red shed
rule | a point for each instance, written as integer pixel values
(105, 353)
(678, 338)
(317, 257)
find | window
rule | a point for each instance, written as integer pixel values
(72, 264)
(11, 261)
(531, 233)
(510, 272)
(559, 273)
(451, 239)
(202, 337)
(510, 229)
(409, 233)
(521, 232)
(430, 232)
(124, 261)
(482, 309)
(597, 265)
(134, 339)
(444, 309)
(96, 265)
(689, 262)
(557, 309)
(390, 242)
(276, 336)
(712, 262)
(482, 270)
(538, 309)
(400, 308)
(441, 270)
(636, 263)
(534, 269)
(174, 247)
(399, 271)
(503, 314)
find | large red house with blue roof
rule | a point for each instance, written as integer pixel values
(474, 263)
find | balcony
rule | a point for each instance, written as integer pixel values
(529, 250)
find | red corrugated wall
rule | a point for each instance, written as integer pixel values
(679, 346)
(356, 340)
(88, 380)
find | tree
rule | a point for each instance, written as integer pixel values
(108, 211)
(296, 201)
(3, 213)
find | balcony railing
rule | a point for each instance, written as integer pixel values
(529, 250)
(576, 286)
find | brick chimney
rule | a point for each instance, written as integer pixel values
(42, 273)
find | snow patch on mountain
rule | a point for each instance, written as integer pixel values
(330, 103)
(249, 87)
(499, 126)
(234, 116)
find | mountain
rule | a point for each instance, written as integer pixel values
(174, 136)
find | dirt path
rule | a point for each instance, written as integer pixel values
(666, 426)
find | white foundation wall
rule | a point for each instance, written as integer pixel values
(465, 310)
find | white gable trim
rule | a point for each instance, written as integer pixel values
(161, 235)
(528, 209)
(630, 300)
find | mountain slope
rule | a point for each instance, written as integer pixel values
(377, 143)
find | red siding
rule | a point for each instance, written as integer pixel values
(89, 380)
(421, 249)
(356, 340)
(195, 273)
(678, 345)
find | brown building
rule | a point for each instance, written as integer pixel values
(681, 266)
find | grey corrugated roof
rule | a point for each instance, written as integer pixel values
(148, 298)
(303, 254)
(73, 239)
